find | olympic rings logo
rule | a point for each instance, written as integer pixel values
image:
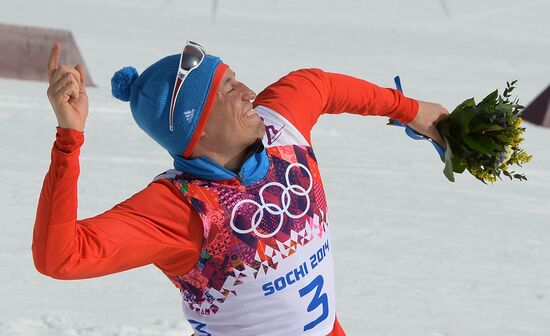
(272, 208)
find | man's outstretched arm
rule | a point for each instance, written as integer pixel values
(304, 95)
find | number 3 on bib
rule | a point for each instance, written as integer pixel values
(318, 300)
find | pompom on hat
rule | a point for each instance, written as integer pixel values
(150, 94)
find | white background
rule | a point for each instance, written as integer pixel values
(414, 253)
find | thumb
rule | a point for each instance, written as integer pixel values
(82, 71)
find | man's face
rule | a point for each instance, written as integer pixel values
(232, 124)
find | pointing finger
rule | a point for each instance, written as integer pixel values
(54, 59)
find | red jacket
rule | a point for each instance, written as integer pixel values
(157, 225)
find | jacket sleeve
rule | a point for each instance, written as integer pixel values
(156, 225)
(304, 95)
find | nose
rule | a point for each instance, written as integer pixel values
(247, 94)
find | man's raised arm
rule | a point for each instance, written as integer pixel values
(153, 226)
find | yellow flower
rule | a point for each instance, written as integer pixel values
(508, 151)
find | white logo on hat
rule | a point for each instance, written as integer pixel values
(189, 115)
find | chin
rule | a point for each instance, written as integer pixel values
(261, 130)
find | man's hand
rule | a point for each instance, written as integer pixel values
(67, 92)
(429, 114)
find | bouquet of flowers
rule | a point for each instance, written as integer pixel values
(485, 138)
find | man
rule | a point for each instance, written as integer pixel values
(240, 225)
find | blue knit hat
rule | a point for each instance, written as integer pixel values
(150, 93)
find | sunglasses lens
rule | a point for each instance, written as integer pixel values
(191, 57)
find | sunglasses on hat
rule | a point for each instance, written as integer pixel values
(191, 58)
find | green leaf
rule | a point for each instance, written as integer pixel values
(507, 174)
(498, 147)
(505, 108)
(459, 150)
(520, 177)
(493, 127)
(456, 130)
(459, 165)
(467, 104)
(479, 126)
(448, 170)
(479, 143)
(463, 120)
(490, 99)
(479, 178)
(443, 127)
(504, 139)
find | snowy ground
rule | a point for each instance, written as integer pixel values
(415, 254)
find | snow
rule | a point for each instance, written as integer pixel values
(414, 253)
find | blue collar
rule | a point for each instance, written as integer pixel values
(253, 169)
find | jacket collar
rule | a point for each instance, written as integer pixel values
(254, 168)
